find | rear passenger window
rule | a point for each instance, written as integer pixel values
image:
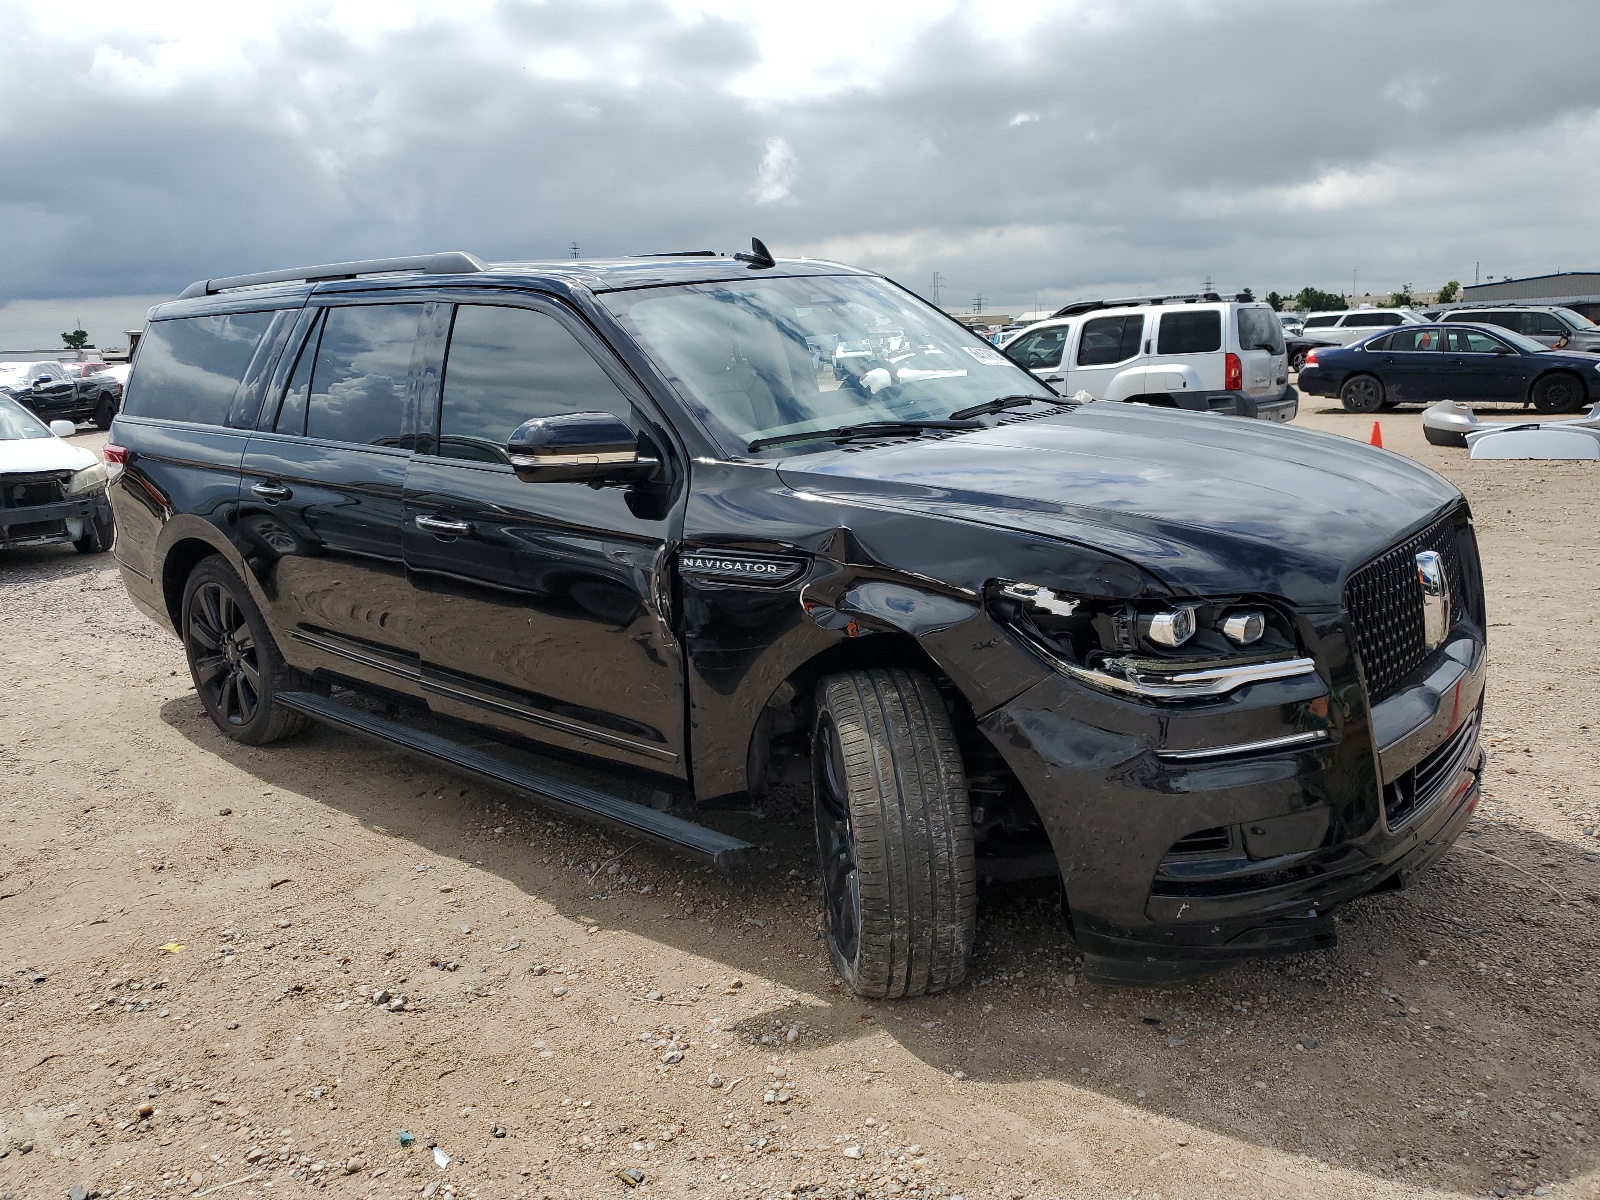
(1321, 322)
(1411, 340)
(1110, 340)
(1190, 332)
(510, 365)
(188, 368)
(358, 380)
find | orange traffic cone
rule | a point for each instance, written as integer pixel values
(1377, 437)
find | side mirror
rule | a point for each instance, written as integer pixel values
(40, 380)
(63, 429)
(594, 448)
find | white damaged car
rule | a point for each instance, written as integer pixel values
(50, 490)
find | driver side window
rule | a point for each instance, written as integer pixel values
(1470, 341)
(1039, 350)
(510, 365)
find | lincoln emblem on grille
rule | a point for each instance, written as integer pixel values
(1435, 597)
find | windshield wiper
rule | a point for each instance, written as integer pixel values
(998, 404)
(845, 433)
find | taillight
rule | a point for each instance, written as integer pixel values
(116, 458)
(1235, 373)
(1310, 359)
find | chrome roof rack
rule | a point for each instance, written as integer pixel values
(448, 262)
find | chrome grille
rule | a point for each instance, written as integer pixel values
(1384, 600)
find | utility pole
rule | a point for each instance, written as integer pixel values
(574, 249)
(936, 289)
(1476, 268)
(977, 303)
(1206, 287)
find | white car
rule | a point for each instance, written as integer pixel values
(1353, 324)
(1200, 353)
(53, 491)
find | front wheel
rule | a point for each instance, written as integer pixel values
(105, 411)
(894, 828)
(1558, 394)
(233, 660)
(1361, 394)
(1297, 360)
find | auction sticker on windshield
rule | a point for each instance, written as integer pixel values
(988, 357)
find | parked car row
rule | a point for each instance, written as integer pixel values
(721, 523)
(63, 391)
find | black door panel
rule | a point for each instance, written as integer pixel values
(542, 608)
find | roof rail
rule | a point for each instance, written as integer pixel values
(448, 262)
(1083, 306)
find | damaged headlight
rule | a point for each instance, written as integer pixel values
(1173, 650)
(90, 479)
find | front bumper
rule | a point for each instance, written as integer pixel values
(46, 524)
(1175, 865)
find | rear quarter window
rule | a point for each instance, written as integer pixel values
(188, 368)
(1190, 332)
(1259, 329)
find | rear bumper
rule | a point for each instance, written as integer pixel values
(1240, 404)
(1176, 864)
(1315, 382)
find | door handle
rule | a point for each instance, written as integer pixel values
(1054, 379)
(272, 492)
(443, 526)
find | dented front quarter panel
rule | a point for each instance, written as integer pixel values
(863, 571)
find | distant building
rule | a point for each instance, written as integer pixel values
(1578, 290)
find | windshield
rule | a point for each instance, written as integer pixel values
(17, 423)
(773, 356)
(1525, 344)
(1574, 318)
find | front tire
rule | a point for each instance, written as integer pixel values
(894, 828)
(234, 662)
(105, 411)
(1558, 394)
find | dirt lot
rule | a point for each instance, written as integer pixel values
(192, 932)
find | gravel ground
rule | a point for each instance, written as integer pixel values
(193, 935)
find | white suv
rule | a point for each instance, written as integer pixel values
(1353, 324)
(1202, 353)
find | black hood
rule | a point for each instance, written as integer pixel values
(1210, 505)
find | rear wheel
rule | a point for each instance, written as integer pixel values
(1558, 394)
(895, 832)
(233, 660)
(1361, 394)
(1297, 360)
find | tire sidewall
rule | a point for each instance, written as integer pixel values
(1542, 389)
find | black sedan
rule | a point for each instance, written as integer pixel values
(1472, 364)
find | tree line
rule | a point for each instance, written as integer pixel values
(1310, 299)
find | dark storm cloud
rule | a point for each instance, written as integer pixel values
(1262, 143)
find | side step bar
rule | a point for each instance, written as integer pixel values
(691, 840)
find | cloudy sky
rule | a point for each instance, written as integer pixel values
(1030, 152)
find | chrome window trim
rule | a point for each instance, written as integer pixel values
(1277, 743)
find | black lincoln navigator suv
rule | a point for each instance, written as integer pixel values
(718, 523)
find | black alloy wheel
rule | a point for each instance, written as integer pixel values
(1361, 394)
(1558, 394)
(894, 830)
(236, 667)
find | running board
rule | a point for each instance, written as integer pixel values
(691, 840)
